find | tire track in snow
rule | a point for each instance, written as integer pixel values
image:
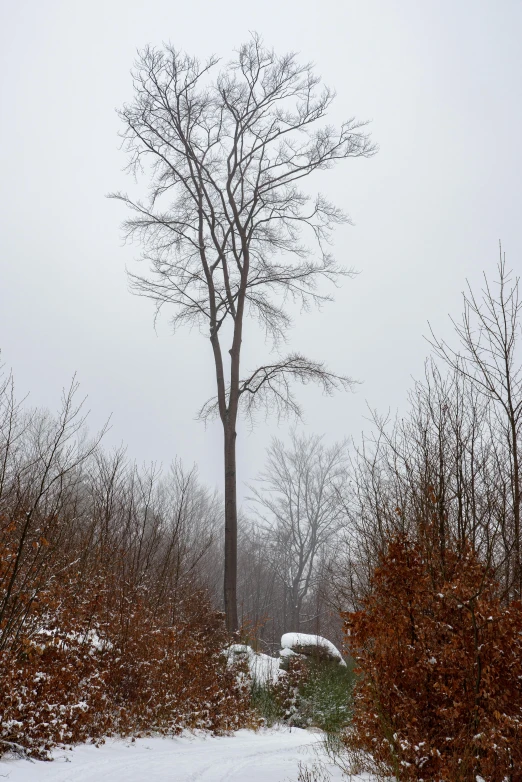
(265, 756)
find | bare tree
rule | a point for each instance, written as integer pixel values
(489, 358)
(434, 465)
(42, 461)
(299, 502)
(452, 461)
(224, 222)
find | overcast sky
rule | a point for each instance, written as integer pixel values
(441, 84)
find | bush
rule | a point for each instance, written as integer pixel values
(103, 629)
(440, 657)
(108, 664)
(266, 703)
(325, 696)
(311, 693)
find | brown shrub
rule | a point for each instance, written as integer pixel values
(440, 661)
(102, 626)
(167, 678)
(101, 661)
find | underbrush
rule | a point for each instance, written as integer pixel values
(265, 702)
(324, 696)
(312, 693)
(107, 664)
(104, 628)
(440, 655)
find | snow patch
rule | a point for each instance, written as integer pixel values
(262, 667)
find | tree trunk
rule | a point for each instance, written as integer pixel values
(230, 584)
(516, 508)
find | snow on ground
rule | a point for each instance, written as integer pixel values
(247, 756)
(291, 640)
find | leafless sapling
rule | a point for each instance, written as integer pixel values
(489, 358)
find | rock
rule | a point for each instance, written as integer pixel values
(309, 646)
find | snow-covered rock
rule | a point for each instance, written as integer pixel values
(310, 646)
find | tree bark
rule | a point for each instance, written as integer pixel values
(230, 583)
(516, 507)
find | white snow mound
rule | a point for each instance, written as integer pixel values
(262, 667)
(291, 640)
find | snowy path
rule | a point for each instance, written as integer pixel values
(266, 756)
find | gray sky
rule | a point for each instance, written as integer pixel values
(441, 82)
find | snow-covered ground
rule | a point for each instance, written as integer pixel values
(247, 756)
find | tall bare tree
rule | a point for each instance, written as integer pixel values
(224, 222)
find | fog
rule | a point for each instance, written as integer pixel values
(440, 83)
